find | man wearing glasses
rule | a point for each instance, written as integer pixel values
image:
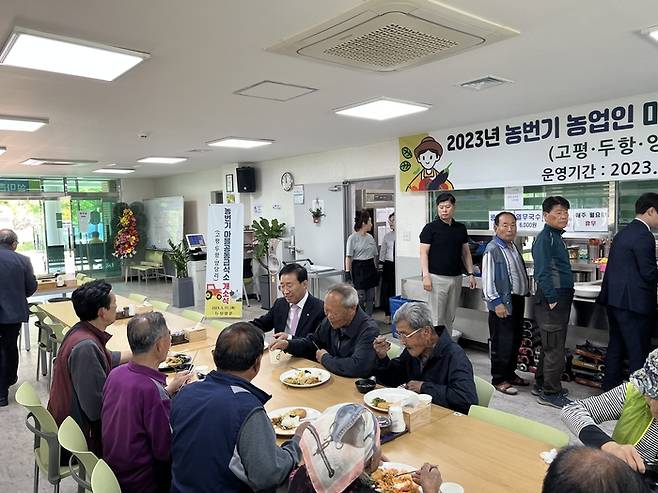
(431, 362)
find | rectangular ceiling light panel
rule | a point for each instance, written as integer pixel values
(53, 53)
(382, 109)
(114, 171)
(240, 143)
(161, 160)
(21, 124)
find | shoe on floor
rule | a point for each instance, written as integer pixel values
(519, 382)
(4, 401)
(506, 388)
(537, 390)
(557, 401)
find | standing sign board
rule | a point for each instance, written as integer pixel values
(224, 263)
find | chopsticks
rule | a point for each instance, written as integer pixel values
(192, 362)
(405, 473)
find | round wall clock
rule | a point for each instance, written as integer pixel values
(287, 181)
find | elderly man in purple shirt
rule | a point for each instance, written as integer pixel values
(136, 408)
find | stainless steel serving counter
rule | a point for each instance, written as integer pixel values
(588, 320)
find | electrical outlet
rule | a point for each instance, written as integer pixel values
(406, 236)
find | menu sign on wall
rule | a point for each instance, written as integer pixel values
(580, 220)
(614, 140)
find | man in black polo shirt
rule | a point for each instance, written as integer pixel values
(443, 255)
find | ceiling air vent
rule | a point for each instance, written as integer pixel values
(484, 83)
(386, 36)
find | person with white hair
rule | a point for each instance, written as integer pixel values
(343, 341)
(431, 362)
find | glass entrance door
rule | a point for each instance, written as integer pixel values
(91, 236)
(26, 218)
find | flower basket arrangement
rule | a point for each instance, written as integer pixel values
(127, 238)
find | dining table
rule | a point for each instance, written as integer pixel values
(481, 457)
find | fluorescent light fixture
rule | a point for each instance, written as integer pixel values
(162, 160)
(651, 32)
(2, 150)
(114, 171)
(240, 142)
(38, 161)
(53, 53)
(382, 109)
(21, 124)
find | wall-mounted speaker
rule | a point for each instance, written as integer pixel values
(246, 179)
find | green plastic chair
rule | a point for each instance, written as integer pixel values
(45, 325)
(394, 351)
(159, 305)
(218, 324)
(80, 276)
(139, 298)
(103, 479)
(72, 439)
(46, 446)
(55, 338)
(192, 315)
(484, 391)
(87, 279)
(524, 426)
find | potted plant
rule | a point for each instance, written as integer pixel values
(266, 235)
(316, 214)
(183, 292)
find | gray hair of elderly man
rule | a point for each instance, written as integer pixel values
(144, 331)
(416, 313)
(8, 237)
(347, 291)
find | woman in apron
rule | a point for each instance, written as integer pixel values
(361, 261)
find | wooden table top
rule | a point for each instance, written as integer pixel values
(65, 314)
(479, 456)
(49, 287)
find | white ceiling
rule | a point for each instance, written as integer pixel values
(569, 52)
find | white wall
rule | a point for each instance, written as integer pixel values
(137, 189)
(358, 163)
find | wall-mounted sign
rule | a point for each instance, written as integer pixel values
(609, 141)
(20, 185)
(580, 220)
(298, 194)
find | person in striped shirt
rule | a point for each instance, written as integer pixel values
(504, 286)
(634, 405)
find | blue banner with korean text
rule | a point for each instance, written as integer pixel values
(611, 141)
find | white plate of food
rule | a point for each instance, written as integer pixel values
(382, 399)
(305, 377)
(285, 420)
(387, 481)
(175, 361)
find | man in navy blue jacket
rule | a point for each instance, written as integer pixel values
(17, 282)
(431, 362)
(629, 291)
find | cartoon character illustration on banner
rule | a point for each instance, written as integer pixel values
(426, 174)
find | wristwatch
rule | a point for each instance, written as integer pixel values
(470, 274)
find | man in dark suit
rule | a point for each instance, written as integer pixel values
(17, 282)
(298, 313)
(629, 291)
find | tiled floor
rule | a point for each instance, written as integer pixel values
(16, 459)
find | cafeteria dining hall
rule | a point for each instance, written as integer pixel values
(347, 246)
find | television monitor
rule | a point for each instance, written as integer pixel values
(195, 241)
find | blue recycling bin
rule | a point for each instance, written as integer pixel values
(395, 302)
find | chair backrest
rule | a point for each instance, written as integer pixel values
(484, 391)
(103, 479)
(80, 276)
(153, 257)
(27, 397)
(394, 351)
(140, 298)
(159, 305)
(88, 279)
(218, 324)
(192, 315)
(72, 439)
(531, 429)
